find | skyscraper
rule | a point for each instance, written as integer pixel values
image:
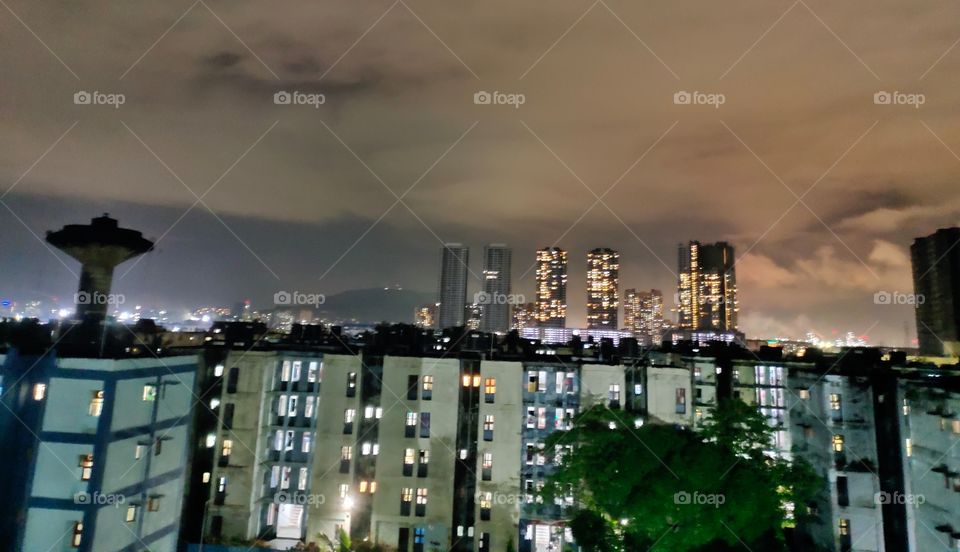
(552, 287)
(643, 315)
(936, 284)
(707, 287)
(603, 284)
(452, 296)
(496, 287)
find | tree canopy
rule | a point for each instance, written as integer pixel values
(673, 487)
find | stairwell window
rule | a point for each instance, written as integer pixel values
(77, 534)
(490, 390)
(96, 404)
(86, 467)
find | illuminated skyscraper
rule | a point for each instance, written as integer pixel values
(524, 316)
(643, 315)
(936, 284)
(454, 260)
(496, 286)
(552, 287)
(707, 287)
(603, 284)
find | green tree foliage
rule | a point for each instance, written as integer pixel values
(344, 539)
(674, 487)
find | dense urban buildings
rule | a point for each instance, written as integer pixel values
(452, 295)
(643, 315)
(425, 316)
(496, 299)
(936, 284)
(523, 316)
(603, 288)
(707, 287)
(551, 282)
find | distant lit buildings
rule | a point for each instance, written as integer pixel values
(552, 287)
(524, 316)
(425, 316)
(496, 288)
(707, 287)
(643, 315)
(452, 296)
(473, 316)
(603, 295)
(936, 284)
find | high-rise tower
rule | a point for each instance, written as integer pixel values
(552, 287)
(936, 284)
(452, 295)
(707, 287)
(496, 288)
(603, 282)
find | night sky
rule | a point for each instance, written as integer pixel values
(247, 197)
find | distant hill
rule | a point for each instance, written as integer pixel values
(374, 305)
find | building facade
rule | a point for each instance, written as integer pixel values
(603, 288)
(452, 295)
(496, 298)
(936, 283)
(552, 287)
(707, 287)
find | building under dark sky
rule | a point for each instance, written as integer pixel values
(936, 284)
(452, 295)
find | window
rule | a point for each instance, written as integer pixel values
(39, 391)
(681, 400)
(206, 477)
(352, 384)
(844, 527)
(484, 542)
(410, 429)
(406, 498)
(614, 394)
(86, 467)
(131, 513)
(346, 454)
(288, 441)
(282, 405)
(424, 463)
(149, 392)
(285, 477)
(486, 504)
(412, 383)
(285, 371)
(838, 443)
(308, 408)
(226, 448)
(153, 504)
(487, 466)
(96, 403)
(295, 372)
(408, 460)
(909, 447)
(222, 484)
(488, 427)
(302, 479)
(344, 490)
(531, 381)
(228, 411)
(366, 486)
(541, 418)
(158, 445)
(305, 443)
(489, 390)
(77, 534)
(421, 502)
(955, 426)
(232, 380)
(292, 403)
(834, 401)
(427, 392)
(218, 370)
(425, 425)
(138, 451)
(313, 372)
(348, 417)
(804, 394)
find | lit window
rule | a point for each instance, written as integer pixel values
(365, 449)
(906, 407)
(406, 495)
(844, 527)
(909, 447)
(348, 415)
(302, 479)
(39, 392)
(834, 401)
(138, 451)
(411, 419)
(131, 513)
(614, 393)
(344, 489)
(211, 439)
(96, 403)
(408, 455)
(227, 447)
(218, 370)
(490, 389)
(222, 485)
(206, 477)
(804, 394)
(346, 453)
(422, 496)
(466, 380)
(838, 443)
(77, 534)
(295, 373)
(427, 393)
(86, 467)
(368, 412)
(476, 381)
(313, 371)
(308, 409)
(149, 392)
(285, 371)
(153, 504)
(305, 443)
(487, 460)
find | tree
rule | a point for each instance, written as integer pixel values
(344, 539)
(672, 487)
